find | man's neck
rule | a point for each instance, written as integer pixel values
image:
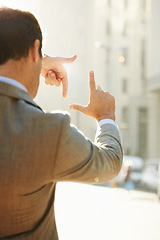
(15, 70)
(13, 82)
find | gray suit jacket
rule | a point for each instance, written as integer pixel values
(37, 150)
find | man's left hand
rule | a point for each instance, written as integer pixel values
(54, 72)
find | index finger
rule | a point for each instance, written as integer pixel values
(64, 60)
(92, 83)
(64, 87)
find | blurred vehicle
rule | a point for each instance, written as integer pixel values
(131, 170)
(136, 165)
(149, 180)
(158, 182)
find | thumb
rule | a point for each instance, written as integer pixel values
(78, 107)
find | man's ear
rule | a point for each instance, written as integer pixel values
(34, 51)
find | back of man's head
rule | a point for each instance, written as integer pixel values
(18, 32)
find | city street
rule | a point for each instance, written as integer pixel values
(85, 212)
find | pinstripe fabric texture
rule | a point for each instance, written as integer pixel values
(37, 150)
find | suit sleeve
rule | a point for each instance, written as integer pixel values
(80, 160)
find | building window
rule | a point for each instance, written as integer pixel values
(144, 2)
(108, 27)
(124, 85)
(109, 3)
(142, 132)
(143, 63)
(125, 4)
(124, 30)
(125, 116)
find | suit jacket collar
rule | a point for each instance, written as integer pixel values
(15, 92)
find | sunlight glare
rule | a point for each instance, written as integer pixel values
(20, 4)
(27, 5)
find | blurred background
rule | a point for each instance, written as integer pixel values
(120, 41)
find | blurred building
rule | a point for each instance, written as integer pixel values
(122, 45)
(153, 83)
(120, 41)
(128, 47)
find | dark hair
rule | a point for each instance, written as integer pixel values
(18, 32)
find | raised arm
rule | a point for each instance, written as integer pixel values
(80, 160)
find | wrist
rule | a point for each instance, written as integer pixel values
(106, 116)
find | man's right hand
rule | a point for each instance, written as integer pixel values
(54, 72)
(101, 104)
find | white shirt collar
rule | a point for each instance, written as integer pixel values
(13, 83)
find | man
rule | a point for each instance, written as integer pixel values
(39, 149)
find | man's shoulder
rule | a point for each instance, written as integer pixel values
(60, 115)
(34, 116)
(57, 117)
(35, 110)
